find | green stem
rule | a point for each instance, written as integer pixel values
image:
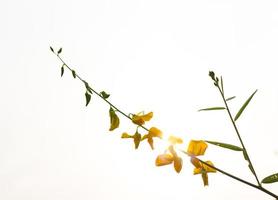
(97, 93)
(239, 137)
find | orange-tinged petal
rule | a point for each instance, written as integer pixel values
(140, 119)
(197, 147)
(178, 164)
(195, 162)
(197, 171)
(164, 159)
(155, 132)
(175, 140)
(150, 141)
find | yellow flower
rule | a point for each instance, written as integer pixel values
(164, 159)
(175, 140)
(197, 147)
(203, 169)
(136, 138)
(140, 118)
(153, 132)
(169, 158)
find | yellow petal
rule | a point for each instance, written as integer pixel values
(155, 132)
(126, 135)
(164, 159)
(137, 120)
(195, 162)
(207, 168)
(147, 117)
(175, 140)
(137, 139)
(197, 147)
(205, 178)
(150, 141)
(140, 119)
(178, 164)
(197, 171)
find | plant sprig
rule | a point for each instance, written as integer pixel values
(172, 155)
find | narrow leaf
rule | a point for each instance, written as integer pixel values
(230, 98)
(104, 94)
(62, 70)
(51, 49)
(88, 87)
(114, 119)
(225, 145)
(271, 179)
(245, 155)
(59, 51)
(251, 169)
(73, 73)
(88, 98)
(212, 108)
(244, 106)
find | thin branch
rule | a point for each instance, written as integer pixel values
(238, 134)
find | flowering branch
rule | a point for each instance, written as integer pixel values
(195, 148)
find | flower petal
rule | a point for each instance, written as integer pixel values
(195, 162)
(175, 140)
(137, 139)
(197, 147)
(126, 135)
(207, 168)
(155, 132)
(164, 159)
(205, 178)
(178, 164)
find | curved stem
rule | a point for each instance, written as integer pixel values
(239, 137)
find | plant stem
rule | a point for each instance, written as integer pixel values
(235, 177)
(239, 137)
(203, 162)
(94, 91)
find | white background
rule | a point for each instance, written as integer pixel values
(150, 55)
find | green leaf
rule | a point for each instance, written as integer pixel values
(59, 51)
(114, 119)
(87, 87)
(225, 145)
(230, 98)
(88, 98)
(212, 108)
(251, 169)
(244, 106)
(104, 94)
(245, 155)
(271, 179)
(73, 73)
(51, 49)
(62, 70)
